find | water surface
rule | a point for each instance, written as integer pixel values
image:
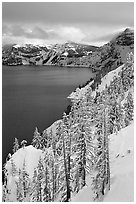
(35, 97)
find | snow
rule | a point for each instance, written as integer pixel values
(131, 90)
(65, 53)
(16, 46)
(79, 93)
(121, 142)
(53, 127)
(122, 166)
(106, 80)
(122, 181)
(30, 155)
(84, 195)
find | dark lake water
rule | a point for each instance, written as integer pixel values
(35, 97)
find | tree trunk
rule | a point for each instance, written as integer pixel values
(106, 157)
(66, 173)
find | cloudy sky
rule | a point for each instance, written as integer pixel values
(58, 22)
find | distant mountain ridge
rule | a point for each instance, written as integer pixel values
(46, 54)
(73, 54)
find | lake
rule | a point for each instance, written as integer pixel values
(35, 97)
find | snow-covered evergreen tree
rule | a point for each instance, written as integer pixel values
(13, 168)
(102, 168)
(23, 143)
(44, 140)
(40, 175)
(20, 190)
(16, 145)
(25, 178)
(129, 109)
(46, 186)
(4, 192)
(33, 193)
(36, 141)
(66, 153)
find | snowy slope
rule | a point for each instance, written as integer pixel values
(84, 195)
(30, 155)
(53, 127)
(79, 93)
(122, 170)
(106, 80)
(122, 166)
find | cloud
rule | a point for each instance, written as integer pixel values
(80, 33)
(36, 32)
(105, 38)
(5, 29)
(22, 31)
(62, 21)
(56, 32)
(70, 33)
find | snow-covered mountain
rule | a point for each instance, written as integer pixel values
(28, 54)
(106, 57)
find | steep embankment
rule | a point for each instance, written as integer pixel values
(122, 166)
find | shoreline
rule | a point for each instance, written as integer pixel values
(71, 66)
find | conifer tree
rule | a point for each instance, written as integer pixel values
(33, 194)
(44, 140)
(23, 143)
(36, 141)
(46, 186)
(102, 167)
(65, 143)
(5, 187)
(4, 192)
(40, 175)
(20, 190)
(129, 108)
(13, 168)
(16, 145)
(25, 179)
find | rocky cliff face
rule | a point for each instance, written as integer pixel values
(58, 54)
